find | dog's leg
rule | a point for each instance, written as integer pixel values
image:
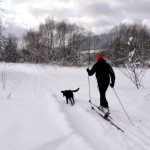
(66, 100)
(71, 101)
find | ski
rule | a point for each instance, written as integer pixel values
(107, 118)
(105, 114)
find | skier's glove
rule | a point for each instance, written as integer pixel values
(87, 70)
(112, 85)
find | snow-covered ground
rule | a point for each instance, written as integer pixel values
(34, 114)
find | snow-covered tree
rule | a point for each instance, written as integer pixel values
(129, 49)
(135, 66)
(47, 39)
(34, 48)
(55, 42)
(125, 38)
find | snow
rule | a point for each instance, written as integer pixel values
(34, 114)
(91, 51)
(130, 39)
(131, 54)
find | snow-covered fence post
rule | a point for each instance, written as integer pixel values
(13, 89)
(3, 77)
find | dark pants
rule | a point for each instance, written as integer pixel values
(102, 89)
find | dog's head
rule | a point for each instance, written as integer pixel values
(63, 92)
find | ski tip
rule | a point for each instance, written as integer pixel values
(92, 108)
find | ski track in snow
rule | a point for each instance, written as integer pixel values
(87, 124)
(35, 115)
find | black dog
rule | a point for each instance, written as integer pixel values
(69, 95)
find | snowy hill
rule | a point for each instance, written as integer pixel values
(34, 114)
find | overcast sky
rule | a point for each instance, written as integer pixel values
(96, 15)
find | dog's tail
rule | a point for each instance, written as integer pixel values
(76, 90)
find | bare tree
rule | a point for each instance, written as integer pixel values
(76, 40)
(47, 32)
(95, 45)
(89, 46)
(34, 47)
(62, 40)
(129, 47)
(135, 67)
(55, 42)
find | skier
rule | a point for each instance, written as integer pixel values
(103, 73)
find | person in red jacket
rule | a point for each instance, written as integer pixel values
(105, 76)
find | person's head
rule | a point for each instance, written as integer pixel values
(100, 57)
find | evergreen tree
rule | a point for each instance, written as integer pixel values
(2, 39)
(10, 53)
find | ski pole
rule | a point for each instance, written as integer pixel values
(123, 107)
(89, 90)
(89, 80)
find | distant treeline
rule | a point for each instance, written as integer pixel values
(63, 43)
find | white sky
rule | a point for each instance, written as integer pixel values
(96, 15)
